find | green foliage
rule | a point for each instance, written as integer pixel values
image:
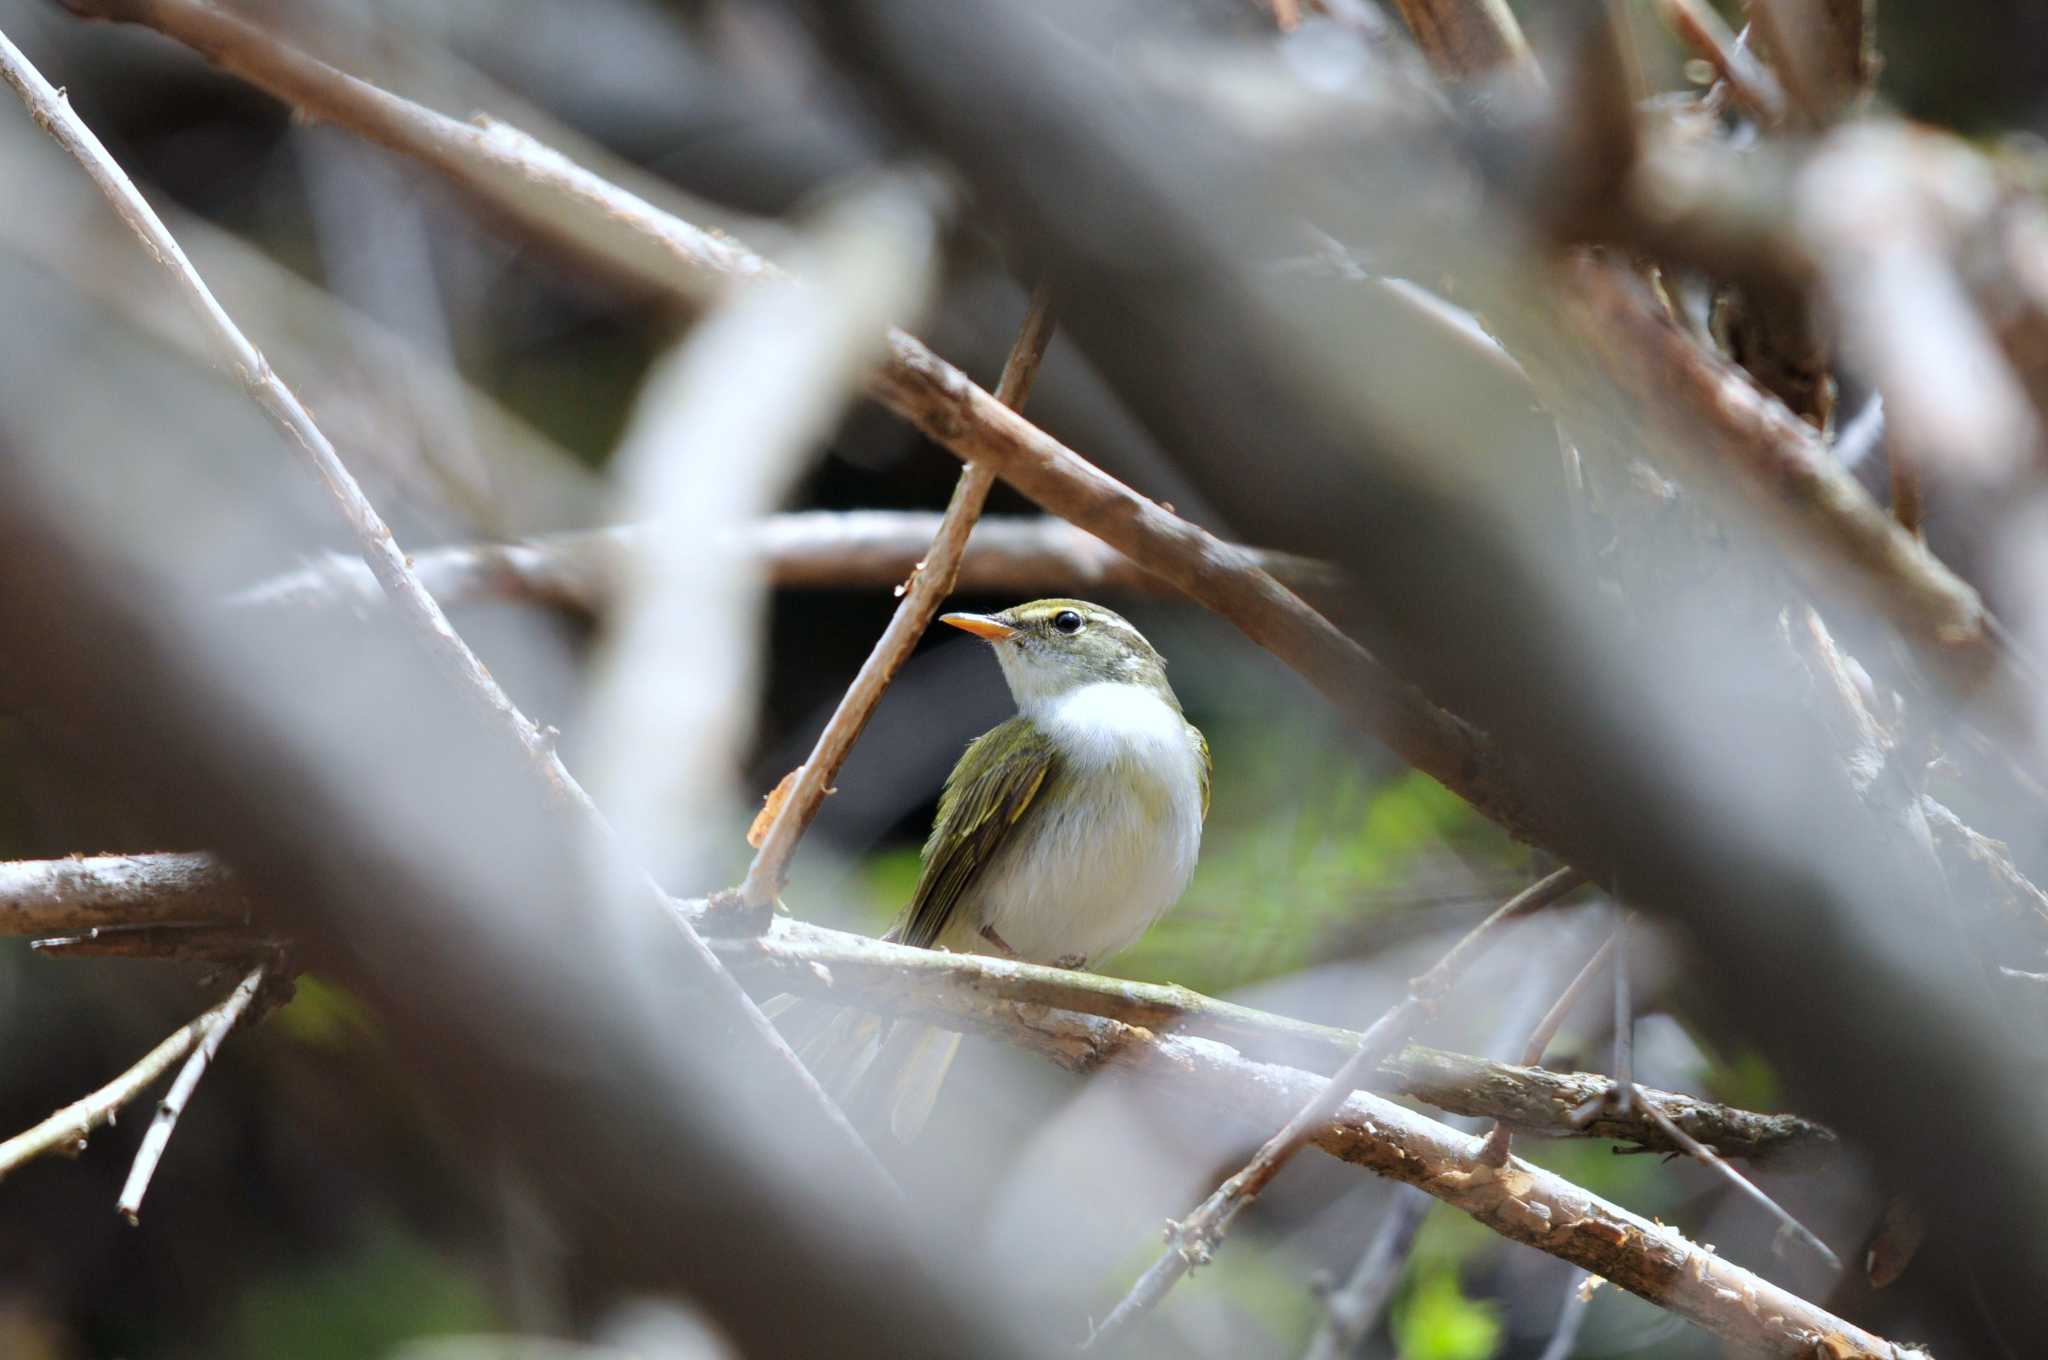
(1433, 1320)
(1746, 1079)
(324, 1015)
(392, 1289)
(1301, 838)
(888, 878)
(1262, 1284)
(1633, 1180)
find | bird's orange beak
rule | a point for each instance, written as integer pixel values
(981, 625)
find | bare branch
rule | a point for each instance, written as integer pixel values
(980, 992)
(1749, 79)
(810, 549)
(1191, 1241)
(1706, 1156)
(224, 1019)
(1823, 50)
(1521, 1202)
(172, 942)
(930, 583)
(67, 1130)
(1495, 1152)
(1350, 1311)
(1467, 37)
(56, 896)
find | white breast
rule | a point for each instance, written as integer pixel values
(1087, 876)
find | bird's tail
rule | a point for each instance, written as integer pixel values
(874, 1068)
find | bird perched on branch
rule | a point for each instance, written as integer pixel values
(1062, 834)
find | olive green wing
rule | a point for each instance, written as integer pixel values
(992, 788)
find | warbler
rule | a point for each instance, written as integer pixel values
(1061, 836)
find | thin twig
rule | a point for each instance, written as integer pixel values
(930, 584)
(754, 392)
(807, 549)
(1495, 1151)
(52, 111)
(164, 941)
(224, 1019)
(1708, 1158)
(67, 1130)
(1624, 1024)
(1749, 80)
(1350, 1312)
(1571, 1316)
(1191, 1241)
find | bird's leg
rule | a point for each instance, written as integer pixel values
(989, 933)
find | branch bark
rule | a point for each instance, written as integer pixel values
(930, 583)
(980, 992)
(806, 550)
(68, 896)
(1520, 1202)
(224, 1019)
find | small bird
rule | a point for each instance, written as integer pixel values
(1062, 834)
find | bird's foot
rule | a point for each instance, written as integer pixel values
(1074, 962)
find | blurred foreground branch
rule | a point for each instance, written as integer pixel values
(457, 663)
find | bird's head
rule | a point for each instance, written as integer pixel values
(1049, 648)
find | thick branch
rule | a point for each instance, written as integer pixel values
(981, 992)
(72, 896)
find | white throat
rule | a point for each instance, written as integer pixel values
(1110, 722)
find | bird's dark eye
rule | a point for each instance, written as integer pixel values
(1066, 621)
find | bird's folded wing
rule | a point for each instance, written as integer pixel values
(988, 794)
